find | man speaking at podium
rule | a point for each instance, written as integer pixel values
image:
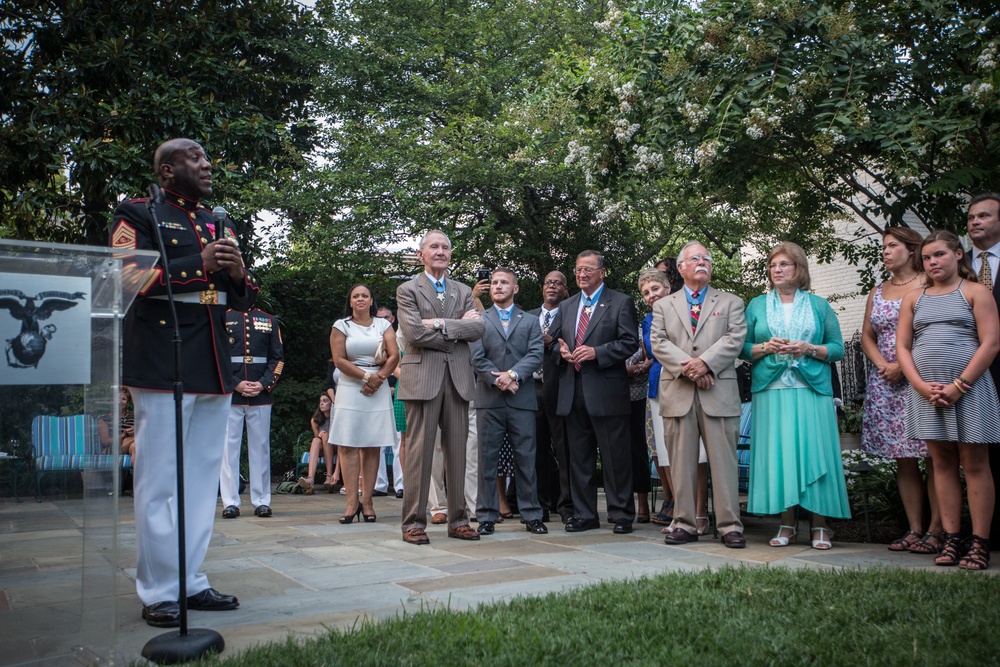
(206, 272)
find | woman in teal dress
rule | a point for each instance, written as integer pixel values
(792, 338)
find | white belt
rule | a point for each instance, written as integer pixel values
(249, 360)
(209, 297)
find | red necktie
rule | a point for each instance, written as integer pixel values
(581, 326)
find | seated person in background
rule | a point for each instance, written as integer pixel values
(126, 428)
(320, 424)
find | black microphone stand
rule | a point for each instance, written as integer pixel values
(182, 645)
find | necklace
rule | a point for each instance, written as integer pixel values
(895, 284)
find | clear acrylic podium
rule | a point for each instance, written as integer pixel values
(61, 559)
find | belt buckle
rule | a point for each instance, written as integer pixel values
(248, 359)
(209, 297)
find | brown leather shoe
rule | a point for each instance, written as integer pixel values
(464, 533)
(439, 518)
(416, 536)
(679, 536)
(734, 540)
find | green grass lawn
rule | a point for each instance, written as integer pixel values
(746, 616)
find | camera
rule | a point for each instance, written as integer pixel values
(484, 274)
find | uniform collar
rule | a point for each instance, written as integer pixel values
(190, 205)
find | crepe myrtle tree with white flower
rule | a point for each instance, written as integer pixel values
(887, 110)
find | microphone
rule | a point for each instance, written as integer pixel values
(156, 196)
(219, 214)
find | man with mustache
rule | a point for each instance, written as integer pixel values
(697, 334)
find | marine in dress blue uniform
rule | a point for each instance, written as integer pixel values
(258, 359)
(207, 278)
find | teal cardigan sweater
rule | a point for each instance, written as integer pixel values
(813, 372)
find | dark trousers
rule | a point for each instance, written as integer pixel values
(640, 453)
(552, 460)
(587, 434)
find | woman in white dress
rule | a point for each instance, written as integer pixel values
(363, 422)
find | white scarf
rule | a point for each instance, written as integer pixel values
(801, 326)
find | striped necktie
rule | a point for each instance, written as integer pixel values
(695, 311)
(985, 275)
(581, 326)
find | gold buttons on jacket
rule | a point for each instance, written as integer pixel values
(184, 274)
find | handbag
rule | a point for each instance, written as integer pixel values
(381, 356)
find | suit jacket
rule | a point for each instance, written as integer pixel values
(718, 341)
(520, 351)
(550, 372)
(255, 335)
(613, 332)
(429, 352)
(148, 331)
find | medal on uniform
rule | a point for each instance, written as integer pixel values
(588, 309)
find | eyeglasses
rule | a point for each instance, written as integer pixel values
(698, 258)
(585, 270)
(784, 266)
(554, 283)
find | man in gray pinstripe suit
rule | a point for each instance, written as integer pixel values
(436, 382)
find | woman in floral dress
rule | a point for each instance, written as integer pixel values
(882, 431)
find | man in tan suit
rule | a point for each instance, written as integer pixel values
(436, 381)
(697, 334)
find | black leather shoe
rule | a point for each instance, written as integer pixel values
(380, 493)
(679, 536)
(486, 527)
(212, 600)
(262, 510)
(162, 614)
(231, 512)
(537, 526)
(399, 494)
(579, 525)
(623, 527)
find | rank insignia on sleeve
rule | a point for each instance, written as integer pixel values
(279, 367)
(124, 236)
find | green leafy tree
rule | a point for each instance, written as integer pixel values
(786, 112)
(89, 89)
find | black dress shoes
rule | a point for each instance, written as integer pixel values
(679, 536)
(623, 527)
(162, 614)
(399, 494)
(734, 540)
(536, 526)
(263, 511)
(380, 493)
(486, 527)
(576, 525)
(231, 512)
(212, 600)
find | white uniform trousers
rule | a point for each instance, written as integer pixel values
(258, 421)
(382, 480)
(155, 488)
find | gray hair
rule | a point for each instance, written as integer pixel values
(681, 255)
(423, 239)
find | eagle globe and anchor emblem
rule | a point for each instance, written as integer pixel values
(27, 348)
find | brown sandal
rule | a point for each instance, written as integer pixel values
(905, 543)
(951, 552)
(978, 556)
(926, 546)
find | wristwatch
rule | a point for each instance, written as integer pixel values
(438, 324)
(366, 377)
(513, 376)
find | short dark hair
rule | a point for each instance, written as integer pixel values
(985, 196)
(593, 253)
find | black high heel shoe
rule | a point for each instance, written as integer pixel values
(349, 518)
(370, 518)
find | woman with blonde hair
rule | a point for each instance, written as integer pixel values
(793, 337)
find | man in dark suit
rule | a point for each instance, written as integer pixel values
(551, 454)
(206, 273)
(984, 230)
(436, 382)
(505, 358)
(594, 333)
